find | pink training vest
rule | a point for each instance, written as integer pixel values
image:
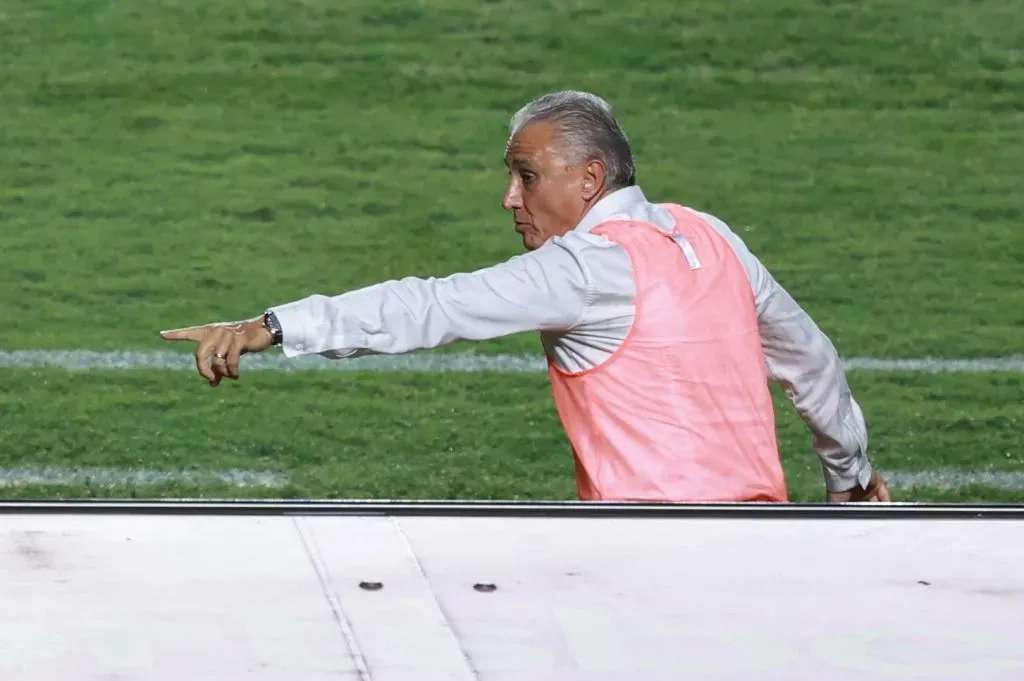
(682, 410)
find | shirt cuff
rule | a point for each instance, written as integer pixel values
(857, 475)
(296, 330)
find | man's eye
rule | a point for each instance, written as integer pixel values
(528, 178)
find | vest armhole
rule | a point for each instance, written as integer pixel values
(637, 308)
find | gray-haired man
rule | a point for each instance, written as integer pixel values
(572, 173)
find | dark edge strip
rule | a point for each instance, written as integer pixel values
(512, 509)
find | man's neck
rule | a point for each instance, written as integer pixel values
(609, 203)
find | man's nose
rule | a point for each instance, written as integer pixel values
(512, 199)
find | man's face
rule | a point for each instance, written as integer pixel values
(547, 198)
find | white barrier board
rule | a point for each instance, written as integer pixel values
(226, 598)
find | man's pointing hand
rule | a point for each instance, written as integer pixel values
(220, 346)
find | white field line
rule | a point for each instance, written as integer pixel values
(126, 477)
(434, 362)
(943, 479)
(954, 478)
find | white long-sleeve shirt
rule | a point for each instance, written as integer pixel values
(577, 290)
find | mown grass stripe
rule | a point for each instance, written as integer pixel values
(435, 362)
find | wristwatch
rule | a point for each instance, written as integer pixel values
(273, 326)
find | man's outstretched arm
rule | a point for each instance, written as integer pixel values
(546, 289)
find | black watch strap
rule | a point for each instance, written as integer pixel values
(274, 326)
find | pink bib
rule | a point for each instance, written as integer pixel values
(682, 410)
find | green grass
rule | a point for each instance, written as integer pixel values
(427, 436)
(163, 164)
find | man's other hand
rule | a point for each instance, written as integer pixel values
(876, 491)
(220, 346)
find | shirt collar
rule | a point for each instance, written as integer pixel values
(619, 201)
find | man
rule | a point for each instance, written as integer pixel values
(660, 327)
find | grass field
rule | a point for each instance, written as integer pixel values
(175, 163)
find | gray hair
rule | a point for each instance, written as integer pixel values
(588, 130)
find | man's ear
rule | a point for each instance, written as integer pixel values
(593, 179)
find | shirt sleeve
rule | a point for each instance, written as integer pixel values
(805, 363)
(542, 290)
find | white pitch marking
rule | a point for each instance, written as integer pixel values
(49, 476)
(434, 362)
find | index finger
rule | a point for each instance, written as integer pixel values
(191, 333)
